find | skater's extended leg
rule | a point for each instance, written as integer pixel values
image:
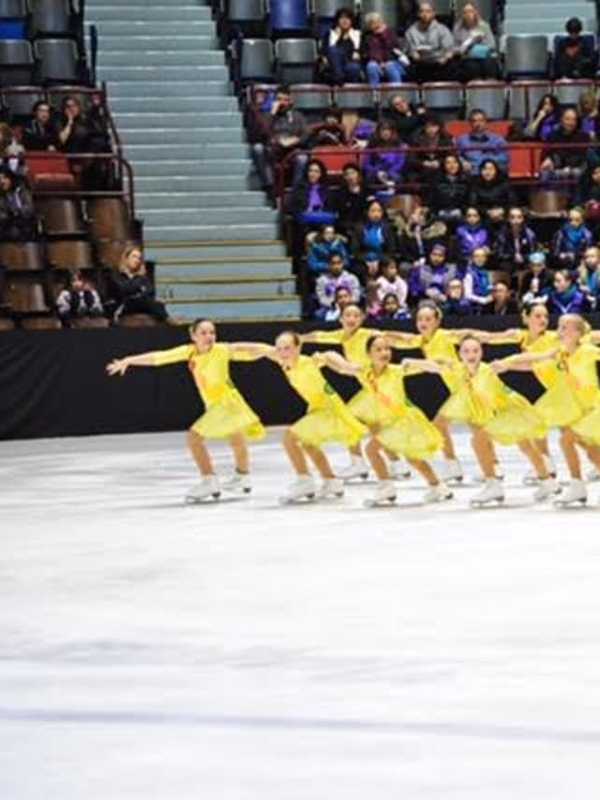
(569, 448)
(443, 427)
(321, 462)
(380, 468)
(199, 453)
(593, 453)
(425, 470)
(484, 452)
(240, 453)
(295, 453)
(536, 459)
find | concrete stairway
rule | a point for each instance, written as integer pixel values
(547, 16)
(215, 239)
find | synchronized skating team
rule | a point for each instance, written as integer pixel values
(382, 426)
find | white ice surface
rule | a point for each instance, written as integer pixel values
(245, 651)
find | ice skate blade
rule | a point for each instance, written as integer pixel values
(573, 504)
(298, 501)
(403, 476)
(356, 478)
(389, 503)
(481, 504)
(198, 501)
(455, 481)
(438, 500)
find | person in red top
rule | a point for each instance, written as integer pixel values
(384, 59)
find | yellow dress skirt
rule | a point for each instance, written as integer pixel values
(485, 402)
(229, 416)
(588, 427)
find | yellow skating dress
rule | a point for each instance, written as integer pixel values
(401, 427)
(548, 341)
(354, 347)
(328, 418)
(573, 398)
(484, 401)
(227, 413)
(442, 345)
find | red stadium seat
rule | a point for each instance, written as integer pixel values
(49, 170)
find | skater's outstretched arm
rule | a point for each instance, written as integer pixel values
(247, 351)
(522, 363)
(119, 366)
(400, 340)
(594, 337)
(336, 362)
(510, 336)
(321, 337)
(414, 366)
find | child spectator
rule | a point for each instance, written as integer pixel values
(471, 235)
(448, 193)
(17, 213)
(328, 284)
(322, 246)
(515, 242)
(342, 48)
(589, 276)
(491, 192)
(419, 233)
(575, 57)
(384, 59)
(133, 288)
(41, 132)
(351, 200)
(343, 298)
(476, 279)
(10, 150)
(79, 299)
(391, 309)
(390, 282)
(385, 167)
(375, 235)
(545, 120)
(571, 241)
(503, 302)
(456, 304)
(566, 297)
(536, 283)
(430, 281)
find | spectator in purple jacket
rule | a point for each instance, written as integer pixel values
(386, 166)
(471, 235)
(565, 297)
(430, 280)
(572, 240)
(329, 282)
(545, 120)
(384, 59)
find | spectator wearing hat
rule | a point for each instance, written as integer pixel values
(575, 56)
(429, 281)
(536, 283)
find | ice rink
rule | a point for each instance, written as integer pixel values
(244, 651)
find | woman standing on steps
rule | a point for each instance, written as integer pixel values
(227, 415)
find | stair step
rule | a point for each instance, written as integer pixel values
(170, 290)
(549, 26)
(178, 233)
(177, 167)
(170, 58)
(201, 91)
(209, 119)
(203, 9)
(226, 270)
(532, 10)
(207, 216)
(217, 251)
(136, 12)
(146, 201)
(131, 136)
(145, 27)
(148, 100)
(193, 183)
(145, 42)
(251, 309)
(158, 73)
(200, 151)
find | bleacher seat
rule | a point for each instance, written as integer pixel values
(389, 11)
(22, 256)
(6, 324)
(25, 295)
(248, 15)
(335, 159)
(109, 219)
(289, 17)
(47, 170)
(61, 217)
(355, 96)
(13, 19)
(296, 60)
(568, 92)
(526, 56)
(70, 254)
(409, 91)
(58, 61)
(524, 161)
(41, 323)
(17, 63)
(52, 18)
(19, 104)
(324, 12)
(257, 60)
(524, 97)
(547, 203)
(443, 98)
(137, 321)
(311, 96)
(489, 96)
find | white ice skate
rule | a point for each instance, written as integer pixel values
(438, 494)
(331, 487)
(238, 482)
(593, 475)
(531, 478)
(575, 494)
(303, 488)
(491, 494)
(453, 473)
(358, 469)
(385, 495)
(546, 490)
(207, 489)
(400, 471)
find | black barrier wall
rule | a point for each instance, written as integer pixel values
(53, 383)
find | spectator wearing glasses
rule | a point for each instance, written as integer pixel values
(381, 50)
(41, 132)
(342, 48)
(430, 47)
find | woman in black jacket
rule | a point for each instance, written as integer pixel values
(448, 190)
(133, 289)
(432, 136)
(351, 200)
(491, 192)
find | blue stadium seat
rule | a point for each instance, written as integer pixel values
(289, 16)
(13, 19)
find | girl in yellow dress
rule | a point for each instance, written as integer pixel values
(494, 413)
(227, 415)
(396, 425)
(572, 401)
(439, 344)
(327, 419)
(352, 337)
